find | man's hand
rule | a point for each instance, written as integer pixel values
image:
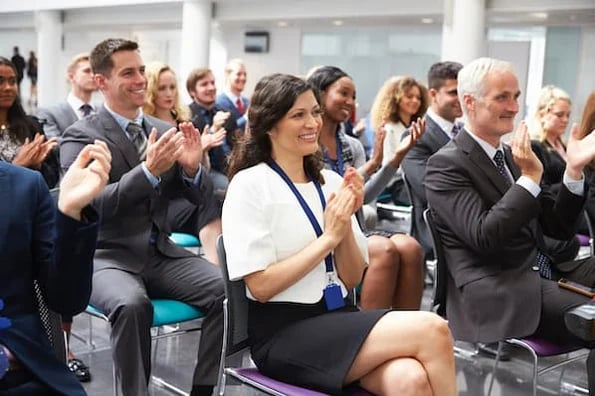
(219, 119)
(85, 179)
(162, 153)
(579, 152)
(33, 153)
(210, 140)
(523, 154)
(191, 154)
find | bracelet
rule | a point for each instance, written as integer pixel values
(3, 362)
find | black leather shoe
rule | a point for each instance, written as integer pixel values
(580, 321)
(79, 369)
(491, 350)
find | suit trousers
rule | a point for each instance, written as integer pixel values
(125, 299)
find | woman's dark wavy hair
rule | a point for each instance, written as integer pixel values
(20, 124)
(273, 97)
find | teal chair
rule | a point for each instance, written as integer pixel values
(165, 313)
(185, 240)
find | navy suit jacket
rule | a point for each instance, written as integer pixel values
(223, 102)
(39, 243)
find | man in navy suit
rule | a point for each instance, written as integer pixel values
(54, 248)
(232, 99)
(77, 105)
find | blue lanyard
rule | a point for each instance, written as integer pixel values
(328, 260)
(337, 166)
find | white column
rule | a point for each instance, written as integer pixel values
(196, 35)
(49, 49)
(464, 35)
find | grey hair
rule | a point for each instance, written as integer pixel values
(471, 77)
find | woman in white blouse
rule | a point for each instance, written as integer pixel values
(290, 233)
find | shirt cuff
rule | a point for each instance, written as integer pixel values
(154, 180)
(577, 187)
(529, 185)
(192, 180)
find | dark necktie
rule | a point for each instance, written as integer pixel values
(138, 138)
(86, 109)
(456, 128)
(543, 262)
(240, 105)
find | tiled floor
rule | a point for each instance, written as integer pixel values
(175, 362)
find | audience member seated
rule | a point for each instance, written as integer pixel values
(395, 275)
(232, 99)
(492, 214)
(399, 102)
(440, 121)
(290, 233)
(205, 113)
(22, 141)
(163, 102)
(54, 248)
(55, 120)
(77, 105)
(135, 259)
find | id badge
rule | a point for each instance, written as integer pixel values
(333, 297)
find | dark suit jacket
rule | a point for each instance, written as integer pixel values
(56, 119)
(553, 164)
(224, 103)
(35, 243)
(490, 234)
(130, 208)
(217, 155)
(414, 168)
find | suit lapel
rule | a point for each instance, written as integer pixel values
(118, 137)
(6, 206)
(435, 134)
(514, 169)
(481, 160)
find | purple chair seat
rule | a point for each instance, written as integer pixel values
(583, 240)
(547, 348)
(283, 388)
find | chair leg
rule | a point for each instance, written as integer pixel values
(535, 370)
(115, 379)
(496, 360)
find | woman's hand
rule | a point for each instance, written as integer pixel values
(337, 215)
(416, 131)
(33, 153)
(354, 182)
(378, 150)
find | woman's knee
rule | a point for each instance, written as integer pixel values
(412, 380)
(382, 252)
(407, 245)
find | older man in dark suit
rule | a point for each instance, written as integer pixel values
(54, 248)
(135, 260)
(492, 215)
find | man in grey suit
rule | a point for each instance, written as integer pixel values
(77, 105)
(492, 215)
(440, 123)
(135, 260)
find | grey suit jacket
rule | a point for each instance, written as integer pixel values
(414, 168)
(490, 235)
(56, 119)
(132, 211)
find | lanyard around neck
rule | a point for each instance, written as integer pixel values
(328, 260)
(337, 166)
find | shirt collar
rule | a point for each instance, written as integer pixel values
(232, 97)
(487, 148)
(76, 104)
(123, 121)
(444, 124)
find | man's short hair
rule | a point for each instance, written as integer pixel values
(194, 76)
(471, 77)
(101, 56)
(441, 71)
(230, 65)
(83, 56)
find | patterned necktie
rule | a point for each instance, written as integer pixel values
(456, 128)
(240, 105)
(139, 139)
(86, 109)
(543, 262)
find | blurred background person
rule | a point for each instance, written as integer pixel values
(19, 63)
(32, 74)
(232, 99)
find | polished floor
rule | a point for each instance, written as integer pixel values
(174, 362)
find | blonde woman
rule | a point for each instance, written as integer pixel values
(400, 101)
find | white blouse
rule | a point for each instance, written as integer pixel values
(263, 223)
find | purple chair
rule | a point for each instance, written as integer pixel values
(235, 341)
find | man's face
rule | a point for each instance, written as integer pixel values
(445, 101)
(205, 91)
(492, 113)
(81, 77)
(237, 78)
(125, 88)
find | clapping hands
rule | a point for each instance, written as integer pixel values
(33, 153)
